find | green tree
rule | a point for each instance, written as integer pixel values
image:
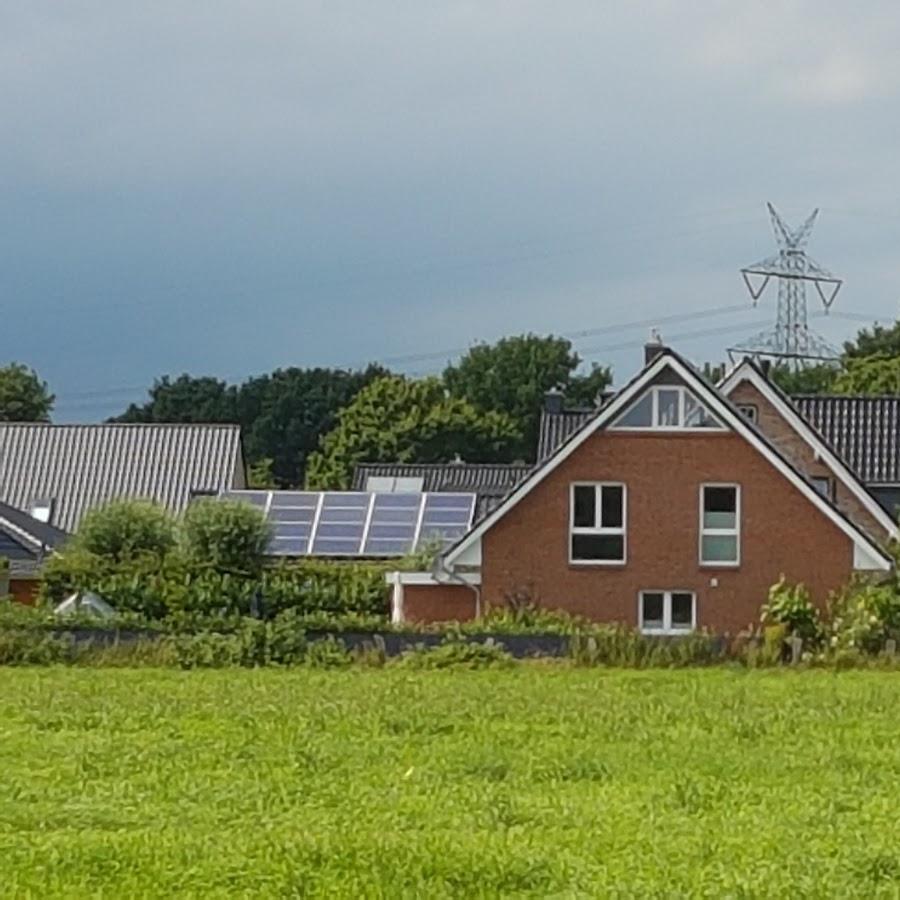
(812, 379)
(23, 396)
(228, 536)
(512, 376)
(404, 420)
(869, 375)
(282, 415)
(125, 529)
(879, 340)
(586, 389)
(185, 399)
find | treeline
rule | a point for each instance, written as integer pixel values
(310, 426)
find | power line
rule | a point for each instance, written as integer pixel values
(100, 393)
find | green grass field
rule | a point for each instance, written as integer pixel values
(541, 780)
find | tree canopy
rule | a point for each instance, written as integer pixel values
(23, 396)
(396, 419)
(879, 340)
(512, 376)
(282, 415)
(814, 379)
(869, 375)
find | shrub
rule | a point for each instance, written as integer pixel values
(617, 645)
(125, 529)
(791, 606)
(525, 619)
(457, 654)
(863, 616)
(328, 653)
(23, 647)
(229, 536)
(321, 586)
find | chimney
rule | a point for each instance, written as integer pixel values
(554, 401)
(765, 366)
(653, 347)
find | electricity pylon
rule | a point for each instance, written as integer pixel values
(792, 339)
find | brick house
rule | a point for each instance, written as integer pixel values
(669, 509)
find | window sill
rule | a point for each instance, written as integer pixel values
(597, 563)
(731, 566)
(661, 632)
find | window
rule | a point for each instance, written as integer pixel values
(395, 484)
(720, 524)
(748, 410)
(597, 533)
(669, 407)
(824, 486)
(667, 612)
(42, 510)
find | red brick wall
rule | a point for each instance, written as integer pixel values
(781, 532)
(801, 455)
(438, 603)
(23, 591)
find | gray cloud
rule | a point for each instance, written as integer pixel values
(225, 187)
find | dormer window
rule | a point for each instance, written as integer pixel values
(667, 407)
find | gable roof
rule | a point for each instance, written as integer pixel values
(792, 413)
(24, 541)
(80, 467)
(490, 482)
(867, 554)
(865, 431)
(557, 427)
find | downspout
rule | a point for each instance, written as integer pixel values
(439, 568)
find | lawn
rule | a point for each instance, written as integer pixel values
(541, 780)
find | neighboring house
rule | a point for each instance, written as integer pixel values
(490, 482)
(57, 473)
(667, 509)
(25, 542)
(865, 431)
(821, 453)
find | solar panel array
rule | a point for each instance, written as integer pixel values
(350, 523)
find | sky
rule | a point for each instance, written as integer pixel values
(224, 188)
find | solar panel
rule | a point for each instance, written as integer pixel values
(445, 518)
(393, 524)
(351, 523)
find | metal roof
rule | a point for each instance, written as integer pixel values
(80, 467)
(490, 482)
(865, 432)
(557, 427)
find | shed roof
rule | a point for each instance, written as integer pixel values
(80, 467)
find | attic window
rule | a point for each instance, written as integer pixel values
(667, 407)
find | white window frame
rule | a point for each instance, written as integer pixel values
(721, 532)
(598, 529)
(683, 392)
(667, 628)
(829, 483)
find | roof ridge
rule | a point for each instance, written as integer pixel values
(56, 425)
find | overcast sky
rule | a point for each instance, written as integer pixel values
(227, 187)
